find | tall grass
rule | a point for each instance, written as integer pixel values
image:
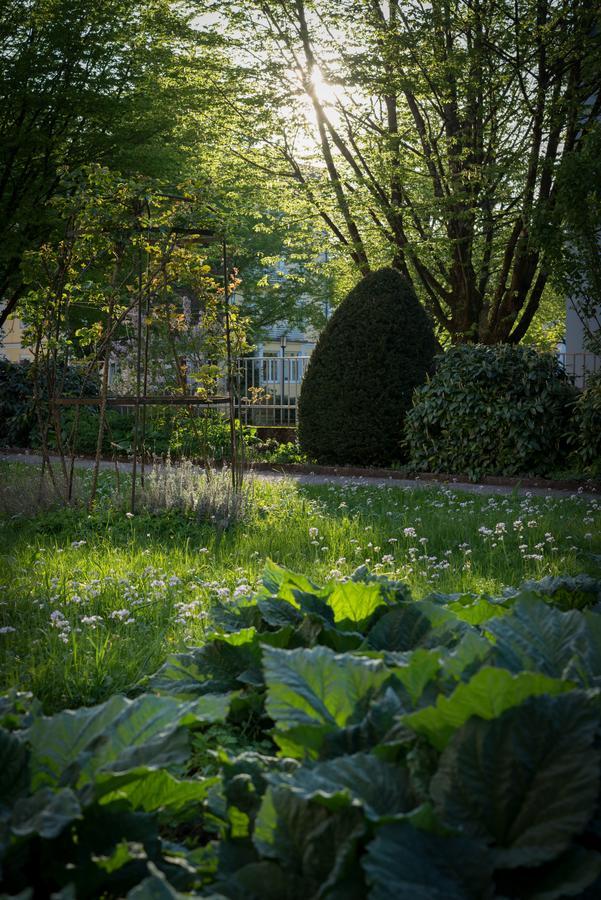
(91, 603)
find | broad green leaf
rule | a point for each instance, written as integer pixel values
(46, 813)
(422, 666)
(471, 650)
(283, 583)
(487, 695)
(526, 782)
(226, 663)
(361, 780)
(152, 789)
(354, 603)
(400, 629)
(116, 736)
(318, 689)
(14, 773)
(419, 623)
(406, 864)
(565, 592)
(214, 668)
(123, 853)
(477, 612)
(277, 612)
(538, 638)
(313, 845)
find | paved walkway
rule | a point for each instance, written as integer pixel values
(317, 478)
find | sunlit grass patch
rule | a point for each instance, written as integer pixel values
(92, 602)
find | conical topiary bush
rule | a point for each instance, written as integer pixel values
(377, 347)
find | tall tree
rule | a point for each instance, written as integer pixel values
(83, 82)
(438, 131)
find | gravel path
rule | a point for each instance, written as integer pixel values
(317, 478)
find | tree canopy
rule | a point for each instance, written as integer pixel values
(333, 137)
(433, 135)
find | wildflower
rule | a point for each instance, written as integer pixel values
(313, 532)
(409, 532)
(120, 614)
(7, 629)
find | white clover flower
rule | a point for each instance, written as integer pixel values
(120, 614)
(409, 532)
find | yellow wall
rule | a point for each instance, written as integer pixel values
(10, 342)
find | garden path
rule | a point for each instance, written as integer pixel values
(318, 478)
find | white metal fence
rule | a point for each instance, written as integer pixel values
(580, 366)
(269, 387)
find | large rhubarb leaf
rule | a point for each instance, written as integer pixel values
(527, 782)
(362, 780)
(116, 736)
(538, 638)
(487, 694)
(318, 691)
(408, 864)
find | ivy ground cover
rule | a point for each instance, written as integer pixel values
(93, 603)
(379, 746)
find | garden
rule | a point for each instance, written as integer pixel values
(184, 713)
(300, 450)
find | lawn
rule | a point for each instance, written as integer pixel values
(92, 603)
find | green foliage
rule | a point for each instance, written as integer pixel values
(500, 410)
(586, 436)
(573, 245)
(448, 765)
(18, 421)
(84, 82)
(399, 124)
(377, 347)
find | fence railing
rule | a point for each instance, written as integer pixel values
(580, 366)
(269, 388)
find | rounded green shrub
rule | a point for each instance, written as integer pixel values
(500, 410)
(375, 350)
(586, 437)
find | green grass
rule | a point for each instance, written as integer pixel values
(151, 579)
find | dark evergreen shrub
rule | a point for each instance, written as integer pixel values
(586, 437)
(375, 350)
(500, 410)
(18, 424)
